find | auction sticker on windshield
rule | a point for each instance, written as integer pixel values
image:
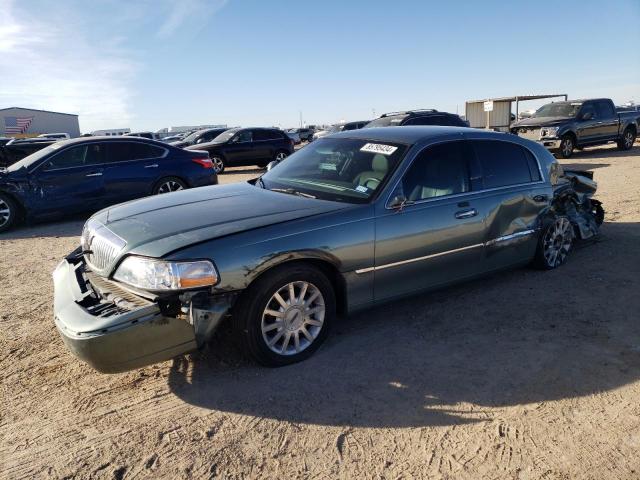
(378, 148)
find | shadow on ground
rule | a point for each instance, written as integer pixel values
(520, 337)
(69, 227)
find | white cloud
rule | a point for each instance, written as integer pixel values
(49, 67)
(182, 11)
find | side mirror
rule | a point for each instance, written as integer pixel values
(399, 201)
(587, 116)
(272, 164)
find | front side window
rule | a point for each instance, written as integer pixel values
(437, 171)
(589, 108)
(245, 136)
(337, 169)
(504, 164)
(79, 156)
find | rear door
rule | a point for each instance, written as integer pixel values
(513, 196)
(133, 168)
(264, 142)
(437, 238)
(71, 180)
(608, 120)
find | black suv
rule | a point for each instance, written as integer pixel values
(418, 117)
(199, 136)
(247, 146)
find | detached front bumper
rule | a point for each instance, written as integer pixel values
(118, 331)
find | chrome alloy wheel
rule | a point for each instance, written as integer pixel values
(557, 242)
(628, 139)
(567, 147)
(293, 318)
(218, 165)
(281, 156)
(5, 212)
(169, 186)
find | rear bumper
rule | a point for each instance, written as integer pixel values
(125, 340)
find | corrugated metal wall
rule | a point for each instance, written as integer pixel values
(499, 117)
(43, 122)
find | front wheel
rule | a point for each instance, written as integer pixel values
(8, 212)
(284, 317)
(555, 244)
(628, 137)
(168, 185)
(566, 146)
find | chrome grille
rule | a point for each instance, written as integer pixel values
(530, 133)
(100, 245)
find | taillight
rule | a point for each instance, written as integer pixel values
(205, 162)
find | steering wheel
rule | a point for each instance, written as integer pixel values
(371, 179)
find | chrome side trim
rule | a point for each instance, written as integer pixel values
(511, 236)
(418, 259)
(494, 241)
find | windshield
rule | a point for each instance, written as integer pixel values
(391, 121)
(194, 136)
(225, 136)
(558, 109)
(337, 169)
(26, 162)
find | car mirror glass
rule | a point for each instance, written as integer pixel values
(398, 201)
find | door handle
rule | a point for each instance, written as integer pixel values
(466, 213)
(97, 174)
(540, 198)
(153, 165)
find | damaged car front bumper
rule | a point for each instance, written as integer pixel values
(114, 330)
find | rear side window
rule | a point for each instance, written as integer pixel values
(266, 135)
(120, 151)
(504, 163)
(437, 171)
(604, 109)
(144, 150)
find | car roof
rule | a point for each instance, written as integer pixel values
(119, 138)
(405, 134)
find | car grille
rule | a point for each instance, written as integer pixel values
(529, 133)
(100, 245)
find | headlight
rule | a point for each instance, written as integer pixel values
(549, 132)
(153, 274)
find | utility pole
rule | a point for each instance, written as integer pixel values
(300, 112)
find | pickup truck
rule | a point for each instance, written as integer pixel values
(563, 126)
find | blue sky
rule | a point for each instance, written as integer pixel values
(150, 64)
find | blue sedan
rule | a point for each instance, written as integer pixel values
(89, 174)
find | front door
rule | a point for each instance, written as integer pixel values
(239, 150)
(588, 130)
(436, 237)
(70, 181)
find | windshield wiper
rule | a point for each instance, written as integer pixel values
(292, 191)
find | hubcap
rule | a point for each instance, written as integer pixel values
(5, 212)
(293, 318)
(281, 156)
(169, 186)
(557, 242)
(217, 164)
(567, 147)
(628, 140)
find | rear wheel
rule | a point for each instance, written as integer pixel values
(168, 185)
(567, 145)
(285, 316)
(628, 137)
(8, 212)
(281, 155)
(555, 244)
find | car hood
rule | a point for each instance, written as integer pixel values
(540, 122)
(156, 226)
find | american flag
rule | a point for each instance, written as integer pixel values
(14, 125)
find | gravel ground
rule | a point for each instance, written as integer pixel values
(522, 375)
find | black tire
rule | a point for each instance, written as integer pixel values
(218, 164)
(280, 155)
(251, 313)
(8, 212)
(548, 242)
(168, 185)
(262, 164)
(567, 144)
(627, 140)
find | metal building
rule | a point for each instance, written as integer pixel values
(28, 122)
(499, 116)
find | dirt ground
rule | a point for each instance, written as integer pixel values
(523, 375)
